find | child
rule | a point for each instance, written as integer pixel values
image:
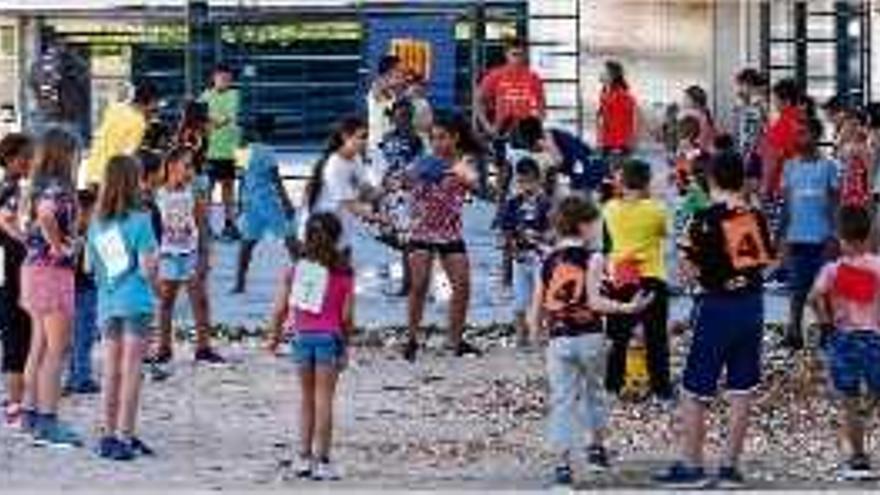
(265, 207)
(567, 306)
(846, 299)
(855, 153)
(636, 226)
(695, 102)
(750, 110)
(16, 155)
(525, 224)
(183, 255)
(79, 378)
(725, 251)
(439, 185)
(47, 284)
(315, 303)
(810, 186)
(122, 251)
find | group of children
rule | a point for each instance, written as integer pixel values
(590, 280)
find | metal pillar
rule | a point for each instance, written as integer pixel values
(843, 50)
(800, 43)
(198, 43)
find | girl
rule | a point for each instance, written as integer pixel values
(16, 154)
(696, 103)
(617, 112)
(122, 251)
(439, 184)
(316, 304)
(855, 153)
(47, 283)
(183, 255)
(338, 182)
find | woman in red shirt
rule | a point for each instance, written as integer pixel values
(616, 119)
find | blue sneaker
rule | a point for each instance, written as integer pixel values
(729, 477)
(53, 433)
(562, 475)
(114, 449)
(681, 476)
(140, 448)
(29, 421)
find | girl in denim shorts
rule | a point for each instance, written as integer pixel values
(121, 249)
(315, 304)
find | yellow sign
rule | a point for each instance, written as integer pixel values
(415, 56)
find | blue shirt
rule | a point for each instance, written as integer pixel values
(258, 188)
(527, 219)
(810, 187)
(123, 289)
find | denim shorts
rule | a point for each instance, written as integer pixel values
(138, 326)
(854, 357)
(728, 329)
(524, 275)
(804, 263)
(313, 349)
(177, 267)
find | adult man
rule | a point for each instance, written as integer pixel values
(121, 131)
(223, 140)
(507, 95)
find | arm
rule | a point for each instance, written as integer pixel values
(481, 104)
(466, 172)
(600, 303)
(9, 224)
(203, 228)
(348, 317)
(279, 313)
(51, 230)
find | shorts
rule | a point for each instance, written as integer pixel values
(221, 170)
(854, 357)
(439, 248)
(47, 289)
(15, 330)
(310, 350)
(255, 224)
(728, 329)
(177, 267)
(525, 272)
(804, 263)
(138, 326)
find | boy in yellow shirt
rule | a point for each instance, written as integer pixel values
(637, 227)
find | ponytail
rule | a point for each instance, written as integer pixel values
(345, 129)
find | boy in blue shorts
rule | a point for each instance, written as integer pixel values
(846, 300)
(725, 249)
(525, 223)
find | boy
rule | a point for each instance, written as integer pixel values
(846, 300)
(223, 139)
(525, 223)
(85, 332)
(810, 185)
(567, 306)
(750, 111)
(724, 250)
(636, 226)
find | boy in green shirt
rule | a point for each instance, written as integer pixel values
(223, 141)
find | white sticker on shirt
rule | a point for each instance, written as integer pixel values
(111, 249)
(2, 267)
(309, 286)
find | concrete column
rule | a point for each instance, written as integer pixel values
(28, 47)
(727, 57)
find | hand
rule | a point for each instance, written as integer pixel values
(272, 345)
(640, 302)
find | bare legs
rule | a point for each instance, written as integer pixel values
(316, 411)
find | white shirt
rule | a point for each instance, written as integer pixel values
(341, 182)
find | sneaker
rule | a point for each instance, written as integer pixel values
(157, 372)
(857, 468)
(230, 233)
(163, 356)
(13, 416)
(562, 475)
(597, 458)
(464, 348)
(729, 477)
(28, 420)
(140, 448)
(53, 433)
(89, 387)
(209, 356)
(114, 449)
(325, 471)
(410, 349)
(303, 466)
(681, 476)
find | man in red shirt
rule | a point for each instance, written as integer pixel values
(781, 138)
(507, 95)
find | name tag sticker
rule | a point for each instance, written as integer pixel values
(111, 250)
(2, 267)
(309, 286)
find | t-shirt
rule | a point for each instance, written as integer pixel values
(378, 123)
(527, 219)
(637, 229)
(12, 251)
(809, 187)
(749, 122)
(115, 250)
(853, 285)
(342, 180)
(513, 93)
(180, 235)
(436, 209)
(56, 198)
(222, 106)
(400, 149)
(730, 247)
(617, 128)
(10, 195)
(565, 299)
(328, 290)
(781, 145)
(120, 133)
(258, 188)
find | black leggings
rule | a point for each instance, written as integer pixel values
(15, 328)
(653, 320)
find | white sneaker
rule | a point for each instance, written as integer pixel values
(325, 471)
(303, 466)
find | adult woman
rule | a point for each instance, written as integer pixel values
(616, 120)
